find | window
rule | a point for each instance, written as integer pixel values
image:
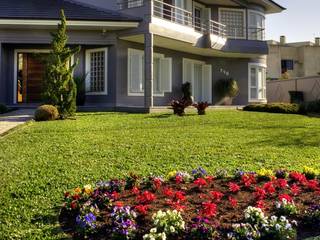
(235, 21)
(257, 82)
(256, 29)
(200, 76)
(134, 3)
(287, 65)
(162, 73)
(96, 70)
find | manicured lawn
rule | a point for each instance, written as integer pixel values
(40, 161)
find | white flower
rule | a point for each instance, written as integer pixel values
(172, 229)
(153, 230)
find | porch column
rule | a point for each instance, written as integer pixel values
(148, 74)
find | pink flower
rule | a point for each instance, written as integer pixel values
(142, 209)
(260, 204)
(298, 177)
(179, 179)
(146, 197)
(168, 192)
(313, 185)
(233, 187)
(157, 182)
(135, 191)
(248, 180)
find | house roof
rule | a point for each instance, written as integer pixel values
(50, 10)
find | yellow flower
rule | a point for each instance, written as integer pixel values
(77, 190)
(88, 189)
(171, 174)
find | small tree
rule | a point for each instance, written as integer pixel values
(60, 88)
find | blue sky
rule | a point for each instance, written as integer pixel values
(300, 22)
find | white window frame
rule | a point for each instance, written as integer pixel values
(249, 26)
(87, 70)
(244, 20)
(141, 94)
(257, 66)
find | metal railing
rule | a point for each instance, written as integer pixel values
(186, 18)
(250, 33)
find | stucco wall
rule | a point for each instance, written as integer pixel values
(278, 90)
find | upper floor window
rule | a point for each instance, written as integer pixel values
(123, 4)
(235, 21)
(286, 65)
(256, 27)
(96, 69)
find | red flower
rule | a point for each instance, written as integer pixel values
(260, 204)
(269, 188)
(248, 179)
(298, 177)
(146, 197)
(260, 193)
(119, 204)
(142, 209)
(286, 197)
(282, 183)
(168, 192)
(76, 197)
(179, 179)
(180, 196)
(135, 191)
(115, 195)
(209, 179)
(74, 204)
(233, 202)
(157, 182)
(209, 209)
(313, 185)
(216, 195)
(233, 187)
(200, 182)
(66, 194)
(295, 190)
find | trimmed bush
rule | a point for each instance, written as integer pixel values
(3, 108)
(46, 113)
(289, 108)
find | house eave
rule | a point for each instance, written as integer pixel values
(72, 24)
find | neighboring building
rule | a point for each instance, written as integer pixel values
(293, 60)
(137, 53)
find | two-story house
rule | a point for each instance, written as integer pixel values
(138, 53)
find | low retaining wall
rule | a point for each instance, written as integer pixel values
(278, 90)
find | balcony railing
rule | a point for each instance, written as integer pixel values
(181, 16)
(186, 18)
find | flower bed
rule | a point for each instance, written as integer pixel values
(262, 205)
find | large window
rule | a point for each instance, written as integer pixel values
(256, 28)
(199, 74)
(235, 20)
(162, 73)
(96, 70)
(257, 82)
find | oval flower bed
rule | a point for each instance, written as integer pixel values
(262, 205)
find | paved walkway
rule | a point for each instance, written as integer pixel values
(15, 118)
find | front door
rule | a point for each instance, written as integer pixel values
(30, 78)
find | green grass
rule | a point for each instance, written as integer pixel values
(40, 161)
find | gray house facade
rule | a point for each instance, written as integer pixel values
(137, 53)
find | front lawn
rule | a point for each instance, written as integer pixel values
(40, 161)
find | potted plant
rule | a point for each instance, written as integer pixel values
(226, 90)
(201, 107)
(179, 107)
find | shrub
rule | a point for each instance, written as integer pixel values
(3, 108)
(201, 107)
(179, 107)
(226, 88)
(81, 89)
(46, 113)
(290, 108)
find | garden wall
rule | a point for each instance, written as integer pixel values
(278, 90)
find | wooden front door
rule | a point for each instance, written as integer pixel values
(32, 78)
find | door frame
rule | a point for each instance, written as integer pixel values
(15, 68)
